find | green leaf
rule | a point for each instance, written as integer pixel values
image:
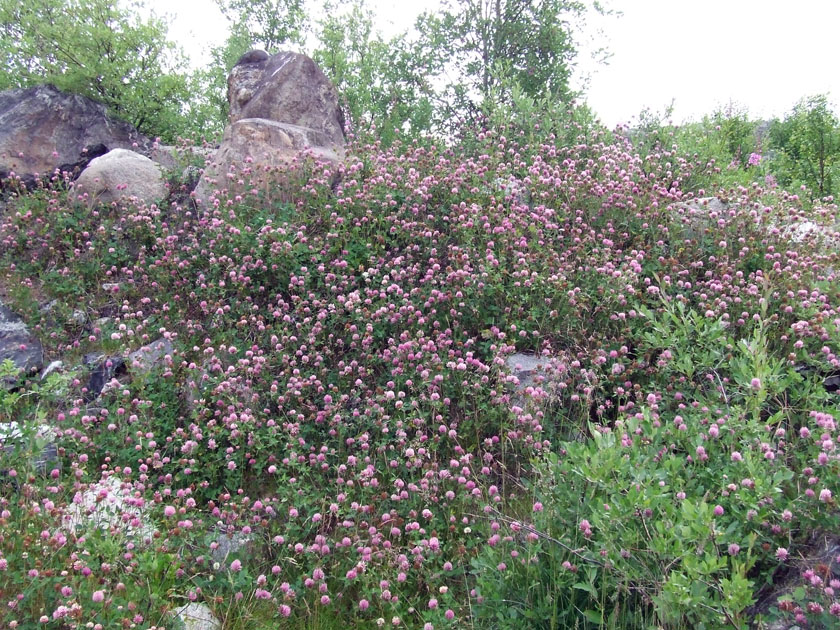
(593, 616)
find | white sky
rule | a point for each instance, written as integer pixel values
(760, 54)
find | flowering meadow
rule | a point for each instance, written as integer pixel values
(336, 437)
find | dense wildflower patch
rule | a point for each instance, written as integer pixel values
(338, 398)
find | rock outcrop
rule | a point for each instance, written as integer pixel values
(280, 107)
(534, 379)
(18, 344)
(109, 505)
(527, 368)
(43, 128)
(196, 616)
(120, 174)
(287, 88)
(704, 214)
(147, 358)
(173, 158)
(700, 215)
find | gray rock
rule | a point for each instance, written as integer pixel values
(194, 388)
(92, 358)
(287, 88)
(534, 380)
(150, 356)
(49, 307)
(106, 368)
(526, 368)
(18, 344)
(700, 215)
(77, 317)
(43, 128)
(831, 379)
(513, 189)
(197, 616)
(165, 155)
(252, 56)
(47, 459)
(173, 158)
(821, 235)
(122, 174)
(111, 506)
(819, 553)
(228, 545)
(10, 431)
(281, 106)
(11, 435)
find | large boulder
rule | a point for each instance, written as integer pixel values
(286, 88)
(18, 344)
(121, 173)
(43, 128)
(281, 107)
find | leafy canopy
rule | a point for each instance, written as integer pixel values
(100, 50)
(462, 61)
(490, 48)
(808, 141)
(381, 82)
(271, 24)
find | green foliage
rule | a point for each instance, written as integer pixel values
(381, 83)
(734, 134)
(539, 119)
(670, 515)
(211, 81)
(724, 143)
(271, 24)
(808, 145)
(487, 45)
(100, 50)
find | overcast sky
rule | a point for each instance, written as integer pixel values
(761, 54)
